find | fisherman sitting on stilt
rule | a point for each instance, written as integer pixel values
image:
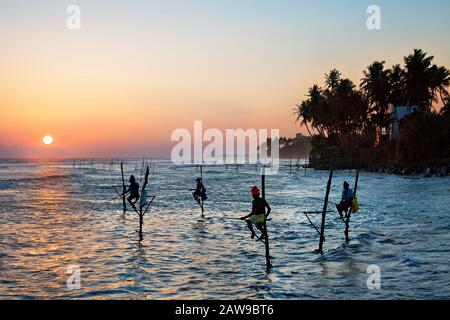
(199, 192)
(257, 217)
(346, 200)
(133, 189)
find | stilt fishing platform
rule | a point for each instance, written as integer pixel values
(145, 200)
(325, 211)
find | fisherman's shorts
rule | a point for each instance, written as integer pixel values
(344, 206)
(257, 219)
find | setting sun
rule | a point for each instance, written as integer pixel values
(47, 140)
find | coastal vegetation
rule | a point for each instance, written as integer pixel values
(357, 123)
(295, 148)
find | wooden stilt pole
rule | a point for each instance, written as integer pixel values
(347, 221)
(324, 212)
(201, 176)
(142, 169)
(141, 212)
(266, 232)
(141, 222)
(141, 218)
(124, 189)
(290, 165)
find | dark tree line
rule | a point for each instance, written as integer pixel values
(342, 116)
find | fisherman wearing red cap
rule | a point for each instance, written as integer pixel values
(258, 216)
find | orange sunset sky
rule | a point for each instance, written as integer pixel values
(137, 70)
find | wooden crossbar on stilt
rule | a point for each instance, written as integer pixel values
(317, 212)
(306, 213)
(149, 204)
(314, 226)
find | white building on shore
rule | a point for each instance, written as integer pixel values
(397, 114)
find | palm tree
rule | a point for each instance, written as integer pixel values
(441, 81)
(348, 109)
(317, 106)
(308, 111)
(397, 84)
(302, 111)
(446, 109)
(332, 79)
(376, 87)
(419, 79)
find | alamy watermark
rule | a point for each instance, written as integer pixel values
(73, 21)
(235, 146)
(374, 20)
(374, 280)
(74, 280)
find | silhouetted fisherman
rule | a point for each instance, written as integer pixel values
(258, 216)
(346, 200)
(199, 192)
(133, 190)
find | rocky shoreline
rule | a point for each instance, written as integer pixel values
(405, 170)
(428, 169)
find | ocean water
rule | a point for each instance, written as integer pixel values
(54, 215)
